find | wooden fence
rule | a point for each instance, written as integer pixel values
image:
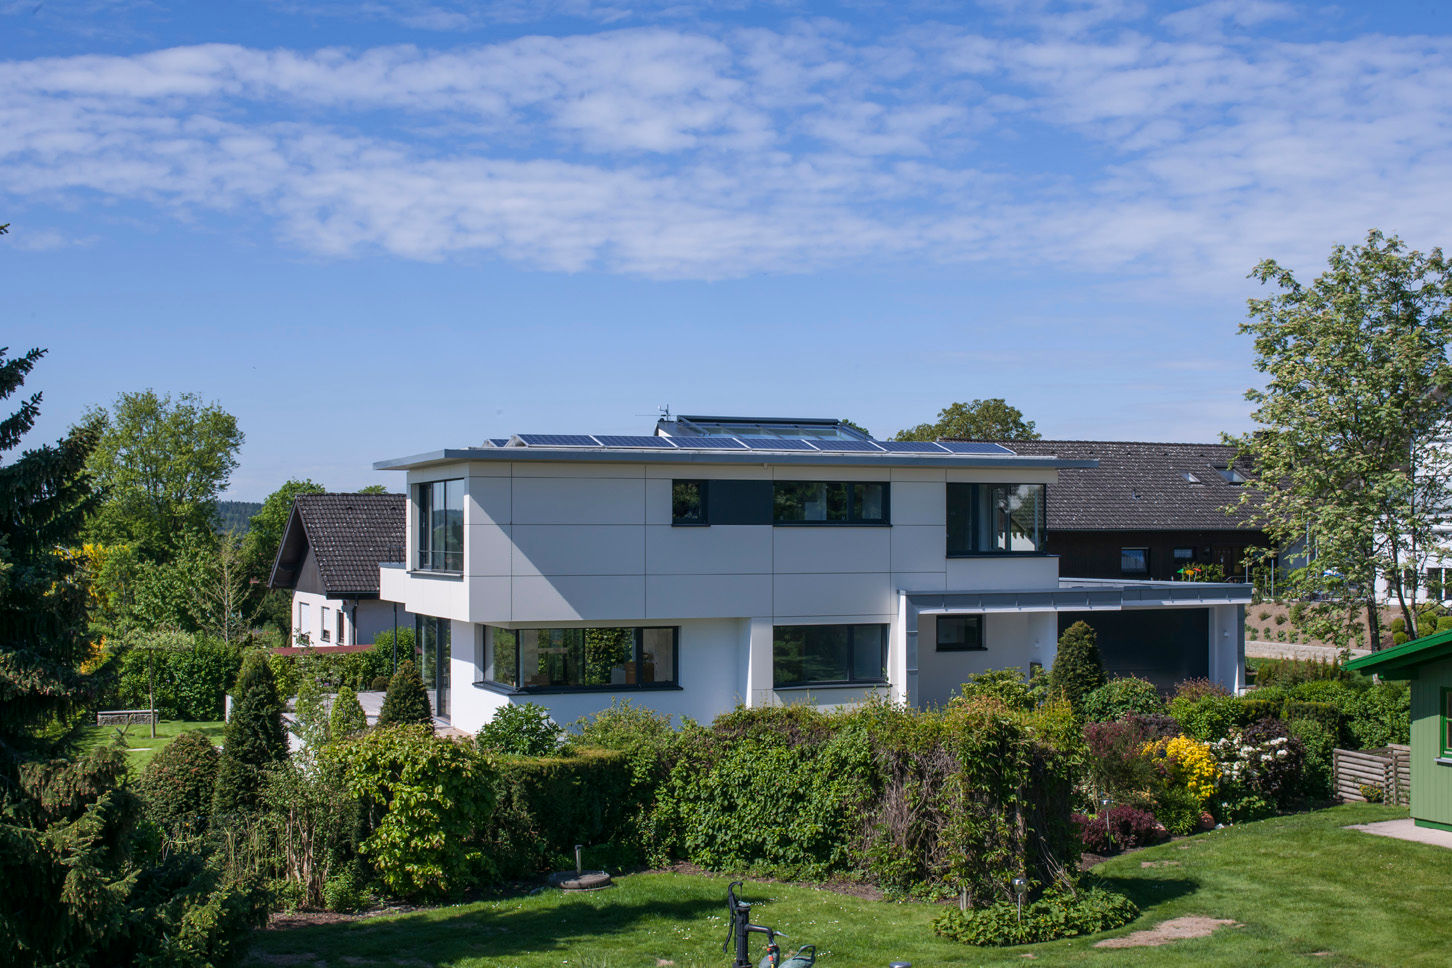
(1387, 768)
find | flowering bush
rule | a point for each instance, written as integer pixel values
(1186, 763)
(1119, 828)
(1260, 769)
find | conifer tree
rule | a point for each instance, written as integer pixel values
(348, 716)
(406, 700)
(253, 739)
(1078, 667)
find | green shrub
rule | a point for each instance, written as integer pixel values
(1280, 620)
(1400, 638)
(178, 784)
(347, 718)
(189, 682)
(1078, 668)
(1381, 715)
(1209, 717)
(1179, 809)
(1444, 623)
(305, 831)
(1398, 625)
(1120, 697)
(647, 740)
(431, 801)
(253, 738)
(347, 891)
(1292, 672)
(406, 700)
(379, 684)
(1319, 741)
(1053, 916)
(1006, 685)
(356, 670)
(523, 729)
(547, 804)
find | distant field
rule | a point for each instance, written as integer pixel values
(139, 744)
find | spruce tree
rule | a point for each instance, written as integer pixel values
(348, 716)
(253, 739)
(44, 499)
(406, 700)
(1078, 668)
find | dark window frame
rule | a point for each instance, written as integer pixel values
(975, 536)
(1444, 741)
(703, 501)
(958, 647)
(1142, 571)
(481, 647)
(883, 630)
(850, 502)
(423, 548)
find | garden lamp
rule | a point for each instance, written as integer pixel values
(1020, 888)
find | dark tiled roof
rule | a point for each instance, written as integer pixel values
(1140, 486)
(350, 536)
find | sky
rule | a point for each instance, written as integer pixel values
(372, 228)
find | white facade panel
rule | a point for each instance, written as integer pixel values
(491, 599)
(707, 596)
(578, 500)
(919, 547)
(591, 598)
(835, 594)
(488, 550)
(488, 500)
(739, 550)
(579, 549)
(1011, 642)
(599, 470)
(920, 503)
(807, 550)
(997, 572)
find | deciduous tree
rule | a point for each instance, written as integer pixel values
(991, 419)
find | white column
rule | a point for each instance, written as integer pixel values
(1227, 646)
(758, 663)
(902, 654)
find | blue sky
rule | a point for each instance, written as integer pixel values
(380, 227)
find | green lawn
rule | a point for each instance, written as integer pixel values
(1305, 891)
(140, 746)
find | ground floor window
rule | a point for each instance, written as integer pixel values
(580, 658)
(804, 655)
(960, 633)
(431, 651)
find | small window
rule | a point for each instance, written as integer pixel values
(1191, 478)
(341, 640)
(1230, 474)
(304, 635)
(323, 631)
(960, 633)
(688, 502)
(1134, 561)
(1183, 556)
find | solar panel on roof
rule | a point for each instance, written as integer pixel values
(910, 446)
(776, 443)
(633, 440)
(974, 447)
(854, 446)
(559, 440)
(499, 441)
(712, 442)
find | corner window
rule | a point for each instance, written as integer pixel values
(688, 502)
(960, 633)
(440, 527)
(829, 502)
(1134, 561)
(804, 655)
(996, 519)
(600, 659)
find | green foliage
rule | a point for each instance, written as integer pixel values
(347, 891)
(1355, 395)
(44, 497)
(1056, 915)
(649, 744)
(1208, 717)
(1078, 668)
(310, 717)
(1006, 685)
(253, 739)
(406, 700)
(354, 669)
(1179, 809)
(191, 674)
(161, 464)
(991, 419)
(523, 729)
(432, 801)
(309, 826)
(1381, 715)
(1319, 741)
(1122, 696)
(348, 718)
(1290, 672)
(547, 804)
(178, 784)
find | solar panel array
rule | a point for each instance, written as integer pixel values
(719, 442)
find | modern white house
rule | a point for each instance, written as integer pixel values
(758, 561)
(329, 557)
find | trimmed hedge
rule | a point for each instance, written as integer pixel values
(177, 785)
(548, 804)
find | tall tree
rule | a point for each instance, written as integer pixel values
(45, 496)
(991, 419)
(161, 464)
(1349, 454)
(259, 551)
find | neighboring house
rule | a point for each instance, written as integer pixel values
(1146, 510)
(1427, 662)
(329, 556)
(730, 560)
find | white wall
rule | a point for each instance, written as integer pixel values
(1011, 640)
(373, 617)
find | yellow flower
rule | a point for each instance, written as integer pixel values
(1188, 762)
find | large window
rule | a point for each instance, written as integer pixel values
(1134, 561)
(586, 659)
(960, 633)
(440, 525)
(688, 502)
(431, 650)
(804, 655)
(995, 519)
(829, 502)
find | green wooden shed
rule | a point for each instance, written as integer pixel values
(1427, 663)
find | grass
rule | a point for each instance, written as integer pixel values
(140, 746)
(1305, 892)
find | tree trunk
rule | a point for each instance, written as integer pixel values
(1373, 621)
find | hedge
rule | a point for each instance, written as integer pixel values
(546, 805)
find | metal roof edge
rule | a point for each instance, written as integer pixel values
(688, 456)
(1429, 648)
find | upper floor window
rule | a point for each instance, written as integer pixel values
(996, 519)
(440, 525)
(1134, 561)
(805, 655)
(323, 630)
(578, 658)
(688, 502)
(829, 502)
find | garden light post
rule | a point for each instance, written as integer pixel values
(1104, 804)
(1020, 888)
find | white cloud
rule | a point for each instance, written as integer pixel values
(674, 153)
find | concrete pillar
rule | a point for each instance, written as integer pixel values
(902, 654)
(1227, 646)
(758, 663)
